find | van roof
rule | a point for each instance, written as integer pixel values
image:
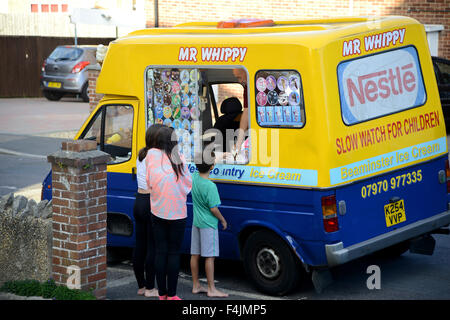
(312, 33)
(293, 26)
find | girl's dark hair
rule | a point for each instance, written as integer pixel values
(167, 142)
(150, 140)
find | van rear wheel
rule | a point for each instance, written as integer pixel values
(270, 263)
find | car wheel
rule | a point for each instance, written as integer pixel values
(270, 263)
(53, 95)
(84, 92)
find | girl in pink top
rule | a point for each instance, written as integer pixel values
(169, 182)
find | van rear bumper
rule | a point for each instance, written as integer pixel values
(337, 254)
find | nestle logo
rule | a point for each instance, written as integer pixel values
(382, 84)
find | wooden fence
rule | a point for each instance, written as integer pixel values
(21, 59)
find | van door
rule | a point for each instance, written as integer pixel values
(112, 126)
(387, 202)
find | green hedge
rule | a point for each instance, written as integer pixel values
(47, 290)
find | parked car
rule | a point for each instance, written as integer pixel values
(442, 72)
(64, 71)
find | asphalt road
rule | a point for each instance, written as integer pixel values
(30, 130)
(407, 277)
(37, 116)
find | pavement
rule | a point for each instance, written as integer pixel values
(121, 285)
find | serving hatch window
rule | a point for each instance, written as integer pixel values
(194, 103)
(279, 99)
(380, 84)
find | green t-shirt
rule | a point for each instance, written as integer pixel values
(204, 196)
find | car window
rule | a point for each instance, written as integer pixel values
(89, 54)
(65, 53)
(444, 67)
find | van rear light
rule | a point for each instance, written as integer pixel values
(329, 213)
(331, 224)
(80, 66)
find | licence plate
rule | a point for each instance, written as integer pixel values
(395, 212)
(54, 85)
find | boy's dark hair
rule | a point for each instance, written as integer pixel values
(204, 166)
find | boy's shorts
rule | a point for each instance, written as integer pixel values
(205, 242)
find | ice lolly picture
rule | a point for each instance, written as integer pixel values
(278, 114)
(269, 114)
(262, 114)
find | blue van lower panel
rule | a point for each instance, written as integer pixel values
(286, 211)
(121, 194)
(418, 186)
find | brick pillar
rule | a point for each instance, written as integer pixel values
(79, 215)
(94, 97)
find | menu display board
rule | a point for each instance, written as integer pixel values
(279, 102)
(173, 100)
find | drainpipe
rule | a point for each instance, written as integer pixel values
(76, 41)
(156, 14)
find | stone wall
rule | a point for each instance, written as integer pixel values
(25, 239)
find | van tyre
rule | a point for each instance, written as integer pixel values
(270, 263)
(53, 95)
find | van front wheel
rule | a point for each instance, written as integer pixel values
(270, 263)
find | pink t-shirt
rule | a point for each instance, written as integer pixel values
(167, 194)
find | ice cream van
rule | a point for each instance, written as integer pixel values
(345, 146)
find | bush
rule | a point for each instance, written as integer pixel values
(26, 288)
(46, 289)
(64, 293)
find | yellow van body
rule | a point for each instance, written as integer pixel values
(351, 148)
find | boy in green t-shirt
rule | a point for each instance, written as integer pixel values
(205, 235)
